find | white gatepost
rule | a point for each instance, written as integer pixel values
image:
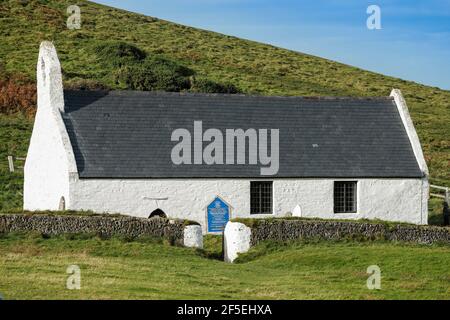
(236, 240)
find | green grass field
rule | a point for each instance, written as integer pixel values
(15, 133)
(35, 268)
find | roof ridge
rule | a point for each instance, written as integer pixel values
(199, 94)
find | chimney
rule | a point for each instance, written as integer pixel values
(49, 79)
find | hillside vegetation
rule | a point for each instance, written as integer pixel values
(151, 54)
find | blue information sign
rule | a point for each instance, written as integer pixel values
(218, 213)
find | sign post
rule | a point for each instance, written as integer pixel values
(218, 213)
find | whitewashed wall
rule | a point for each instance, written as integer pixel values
(50, 160)
(46, 175)
(386, 199)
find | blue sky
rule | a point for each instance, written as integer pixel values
(413, 44)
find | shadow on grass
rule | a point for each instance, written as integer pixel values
(436, 220)
(435, 215)
(212, 247)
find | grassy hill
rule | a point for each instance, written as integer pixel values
(249, 66)
(32, 267)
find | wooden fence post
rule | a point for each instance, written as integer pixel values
(11, 163)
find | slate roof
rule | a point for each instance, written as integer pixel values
(127, 134)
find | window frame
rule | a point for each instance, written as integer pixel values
(260, 195)
(355, 200)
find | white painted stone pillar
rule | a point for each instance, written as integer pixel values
(193, 236)
(50, 94)
(236, 240)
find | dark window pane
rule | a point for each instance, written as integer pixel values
(260, 197)
(344, 196)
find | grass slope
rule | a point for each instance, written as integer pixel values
(35, 268)
(15, 133)
(252, 67)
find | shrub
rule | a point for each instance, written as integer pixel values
(155, 73)
(84, 84)
(208, 86)
(119, 54)
(17, 94)
(136, 71)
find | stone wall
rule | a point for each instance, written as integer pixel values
(292, 229)
(241, 234)
(130, 227)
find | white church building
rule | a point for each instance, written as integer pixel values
(214, 157)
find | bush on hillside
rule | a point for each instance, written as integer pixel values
(84, 84)
(119, 54)
(207, 86)
(134, 70)
(17, 94)
(154, 73)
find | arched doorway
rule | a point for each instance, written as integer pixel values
(158, 213)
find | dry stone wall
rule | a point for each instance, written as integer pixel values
(130, 227)
(242, 234)
(287, 230)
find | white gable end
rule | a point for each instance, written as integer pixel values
(50, 159)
